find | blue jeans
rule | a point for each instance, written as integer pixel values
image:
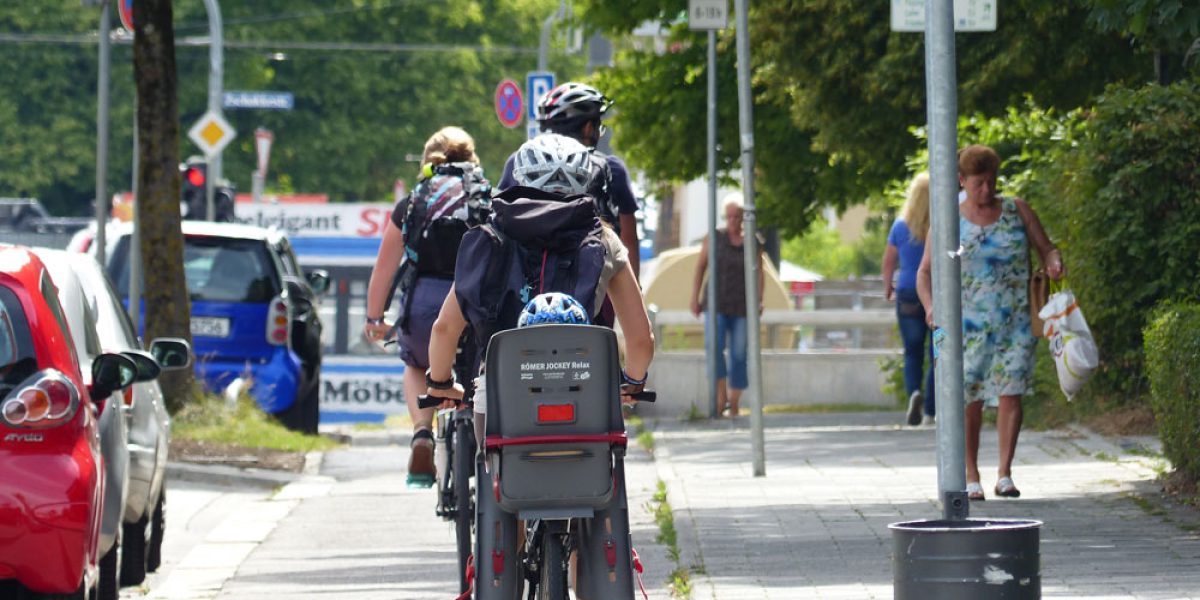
(731, 329)
(914, 333)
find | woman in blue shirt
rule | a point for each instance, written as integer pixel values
(906, 244)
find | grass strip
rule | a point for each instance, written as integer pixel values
(679, 579)
(209, 418)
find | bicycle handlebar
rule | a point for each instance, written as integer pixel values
(424, 401)
(644, 396)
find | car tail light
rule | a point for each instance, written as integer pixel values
(47, 399)
(556, 413)
(279, 322)
(128, 396)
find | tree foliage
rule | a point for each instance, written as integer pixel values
(358, 113)
(836, 91)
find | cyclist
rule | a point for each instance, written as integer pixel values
(544, 235)
(576, 110)
(417, 254)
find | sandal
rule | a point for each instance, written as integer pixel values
(1006, 488)
(421, 470)
(975, 491)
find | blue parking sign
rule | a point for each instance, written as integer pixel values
(537, 83)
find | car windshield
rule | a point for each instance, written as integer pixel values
(217, 269)
(17, 358)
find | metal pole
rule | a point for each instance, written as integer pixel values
(711, 312)
(135, 240)
(216, 62)
(544, 42)
(105, 63)
(947, 285)
(753, 351)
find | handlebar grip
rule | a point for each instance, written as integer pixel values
(645, 396)
(424, 401)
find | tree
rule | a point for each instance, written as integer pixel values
(167, 304)
(836, 91)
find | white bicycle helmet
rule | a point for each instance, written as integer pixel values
(554, 163)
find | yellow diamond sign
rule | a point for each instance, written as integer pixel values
(212, 133)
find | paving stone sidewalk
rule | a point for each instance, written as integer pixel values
(817, 525)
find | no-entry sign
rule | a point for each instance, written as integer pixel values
(510, 106)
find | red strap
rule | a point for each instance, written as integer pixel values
(637, 569)
(470, 579)
(542, 277)
(497, 562)
(615, 437)
(610, 553)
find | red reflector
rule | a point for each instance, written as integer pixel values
(279, 335)
(556, 413)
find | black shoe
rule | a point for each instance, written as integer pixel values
(915, 401)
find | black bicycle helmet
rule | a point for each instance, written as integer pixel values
(571, 102)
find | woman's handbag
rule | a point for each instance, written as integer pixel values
(1039, 294)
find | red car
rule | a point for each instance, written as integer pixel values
(51, 470)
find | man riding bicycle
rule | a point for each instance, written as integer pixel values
(544, 236)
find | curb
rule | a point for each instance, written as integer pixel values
(241, 476)
(685, 527)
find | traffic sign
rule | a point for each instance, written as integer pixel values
(259, 100)
(969, 15)
(510, 106)
(212, 133)
(708, 14)
(532, 130)
(262, 144)
(537, 83)
(125, 9)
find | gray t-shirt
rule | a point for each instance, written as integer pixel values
(616, 258)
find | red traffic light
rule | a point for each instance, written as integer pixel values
(194, 176)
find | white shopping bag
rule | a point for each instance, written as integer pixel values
(1075, 352)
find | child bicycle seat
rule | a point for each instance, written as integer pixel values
(554, 416)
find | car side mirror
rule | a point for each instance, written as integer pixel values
(171, 354)
(111, 372)
(318, 280)
(148, 369)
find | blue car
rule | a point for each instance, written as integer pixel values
(254, 315)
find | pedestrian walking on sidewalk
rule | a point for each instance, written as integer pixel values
(730, 327)
(901, 258)
(995, 234)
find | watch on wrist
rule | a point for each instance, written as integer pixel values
(378, 321)
(433, 384)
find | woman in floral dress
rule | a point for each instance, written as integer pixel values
(996, 234)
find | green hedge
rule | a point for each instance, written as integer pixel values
(1173, 368)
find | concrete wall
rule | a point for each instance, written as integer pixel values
(681, 380)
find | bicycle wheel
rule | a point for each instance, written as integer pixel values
(554, 568)
(464, 499)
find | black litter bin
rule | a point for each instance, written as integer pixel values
(979, 559)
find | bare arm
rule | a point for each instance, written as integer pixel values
(1050, 256)
(391, 249)
(701, 266)
(626, 299)
(443, 340)
(891, 254)
(629, 239)
(925, 280)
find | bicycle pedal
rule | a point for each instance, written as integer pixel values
(420, 481)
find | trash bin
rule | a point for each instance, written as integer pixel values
(980, 559)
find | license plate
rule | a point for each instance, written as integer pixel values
(210, 326)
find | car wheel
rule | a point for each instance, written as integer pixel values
(133, 553)
(158, 523)
(110, 571)
(79, 594)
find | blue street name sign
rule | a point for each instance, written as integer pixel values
(259, 100)
(537, 83)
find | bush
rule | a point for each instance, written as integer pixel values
(1129, 215)
(1173, 368)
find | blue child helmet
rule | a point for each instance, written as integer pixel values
(553, 307)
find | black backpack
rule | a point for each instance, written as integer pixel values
(534, 244)
(440, 210)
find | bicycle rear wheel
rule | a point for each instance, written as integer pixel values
(464, 498)
(554, 568)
